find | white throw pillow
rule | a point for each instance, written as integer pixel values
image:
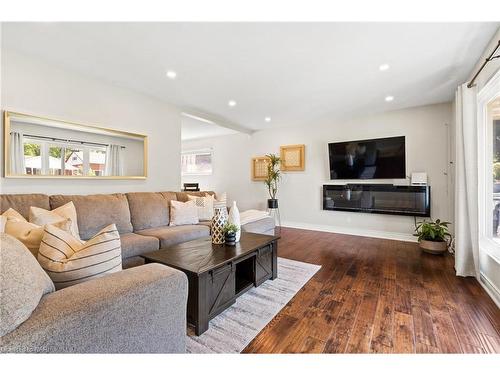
(220, 201)
(41, 216)
(13, 214)
(68, 260)
(204, 205)
(28, 233)
(3, 221)
(183, 213)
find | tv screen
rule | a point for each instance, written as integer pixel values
(368, 159)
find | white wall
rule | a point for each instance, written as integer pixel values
(300, 193)
(34, 87)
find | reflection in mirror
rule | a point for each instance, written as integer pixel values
(41, 147)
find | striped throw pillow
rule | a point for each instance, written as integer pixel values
(68, 260)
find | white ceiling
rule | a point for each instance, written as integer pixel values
(195, 129)
(296, 73)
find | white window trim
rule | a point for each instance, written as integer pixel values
(199, 151)
(485, 161)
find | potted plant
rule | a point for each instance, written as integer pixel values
(433, 236)
(230, 231)
(272, 179)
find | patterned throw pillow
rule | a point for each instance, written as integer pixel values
(28, 233)
(205, 206)
(41, 216)
(68, 260)
(183, 213)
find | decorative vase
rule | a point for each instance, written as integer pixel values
(218, 222)
(433, 247)
(234, 218)
(272, 203)
(231, 239)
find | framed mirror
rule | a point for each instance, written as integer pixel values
(36, 147)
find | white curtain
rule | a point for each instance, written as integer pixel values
(17, 154)
(114, 161)
(466, 180)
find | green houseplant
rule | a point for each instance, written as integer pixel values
(433, 236)
(272, 179)
(230, 231)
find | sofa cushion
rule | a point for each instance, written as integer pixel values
(22, 283)
(148, 210)
(169, 236)
(69, 261)
(134, 244)
(262, 226)
(133, 261)
(169, 195)
(183, 195)
(97, 211)
(22, 202)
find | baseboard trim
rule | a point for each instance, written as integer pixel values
(351, 231)
(490, 288)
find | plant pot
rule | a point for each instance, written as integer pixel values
(231, 239)
(433, 247)
(272, 203)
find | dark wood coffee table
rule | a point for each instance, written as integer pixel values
(219, 274)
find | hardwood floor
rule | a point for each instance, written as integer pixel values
(378, 296)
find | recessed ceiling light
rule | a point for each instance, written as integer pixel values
(389, 98)
(231, 103)
(384, 67)
(267, 119)
(171, 74)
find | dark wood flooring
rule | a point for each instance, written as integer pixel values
(378, 296)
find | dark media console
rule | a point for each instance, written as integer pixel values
(378, 199)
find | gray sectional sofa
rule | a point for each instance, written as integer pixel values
(142, 309)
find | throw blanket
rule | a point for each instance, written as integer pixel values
(250, 216)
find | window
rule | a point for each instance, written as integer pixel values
(75, 161)
(97, 160)
(488, 123)
(56, 167)
(493, 116)
(196, 163)
(32, 157)
(63, 159)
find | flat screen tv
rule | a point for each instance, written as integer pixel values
(380, 158)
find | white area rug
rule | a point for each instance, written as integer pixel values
(232, 330)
